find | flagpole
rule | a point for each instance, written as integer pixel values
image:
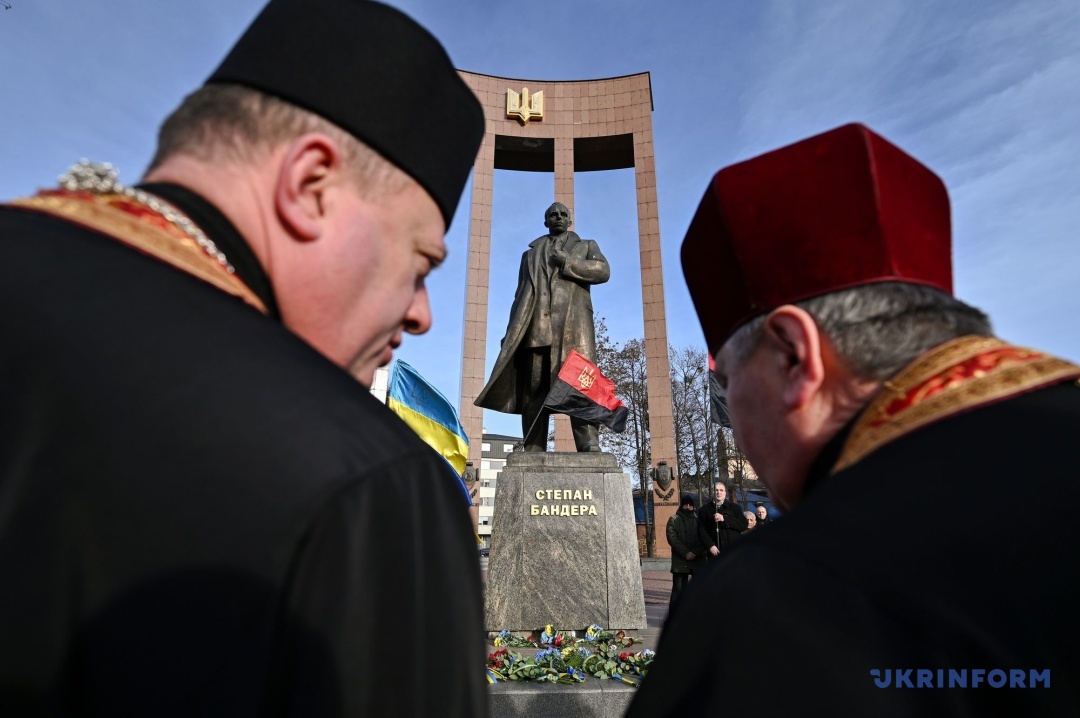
(530, 431)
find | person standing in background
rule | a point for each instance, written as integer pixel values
(688, 542)
(722, 520)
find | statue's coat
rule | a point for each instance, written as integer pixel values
(569, 325)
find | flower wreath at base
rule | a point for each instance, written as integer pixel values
(567, 659)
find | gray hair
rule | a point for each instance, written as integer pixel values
(226, 123)
(878, 329)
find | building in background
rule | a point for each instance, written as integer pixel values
(381, 383)
(492, 460)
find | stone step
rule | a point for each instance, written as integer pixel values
(592, 699)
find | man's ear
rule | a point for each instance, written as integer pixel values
(307, 168)
(795, 340)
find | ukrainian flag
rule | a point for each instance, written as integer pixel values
(430, 415)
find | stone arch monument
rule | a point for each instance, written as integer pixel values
(566, 127)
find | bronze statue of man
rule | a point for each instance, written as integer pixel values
(552, 314)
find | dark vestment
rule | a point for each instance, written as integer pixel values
(685, 534)
(860, 577)
(198, 511)
(552, 313)
(722, 533)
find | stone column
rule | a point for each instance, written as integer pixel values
(564, 192)
(661, 426)
(474, 342)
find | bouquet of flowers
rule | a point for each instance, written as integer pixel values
(567, 659)
(548, 636)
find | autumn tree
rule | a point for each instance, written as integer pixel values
(733, 464)
(705, 452)
(625, 365)
(695, 447)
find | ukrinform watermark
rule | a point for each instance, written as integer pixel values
(960, 678)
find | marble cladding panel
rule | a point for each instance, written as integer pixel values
(626, 599)
(563, 569)
(564, 557)
(562, 461)
(592, 699)
(502, 608)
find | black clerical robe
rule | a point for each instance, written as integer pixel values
(908, 570)
(200, 514)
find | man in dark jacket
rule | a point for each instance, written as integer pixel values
(762, 515)
(688, 542)
(195, 493)
(722, 520)
(822, 276)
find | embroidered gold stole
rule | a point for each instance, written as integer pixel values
(136, 225)
(954, 377)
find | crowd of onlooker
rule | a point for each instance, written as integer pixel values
(696, 536)
(756, 518)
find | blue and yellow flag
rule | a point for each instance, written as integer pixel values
(430, 415)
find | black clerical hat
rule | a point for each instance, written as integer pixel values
(374, 72)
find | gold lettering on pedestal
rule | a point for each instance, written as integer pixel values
(564, 494)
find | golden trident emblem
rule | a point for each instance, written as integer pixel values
(525, 107)
(586, 379)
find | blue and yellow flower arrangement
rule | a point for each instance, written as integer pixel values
(567, 659)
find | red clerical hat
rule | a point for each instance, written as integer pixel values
(834, 211)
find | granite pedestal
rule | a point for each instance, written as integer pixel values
(564, 547)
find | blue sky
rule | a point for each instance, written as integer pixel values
(986, 93)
